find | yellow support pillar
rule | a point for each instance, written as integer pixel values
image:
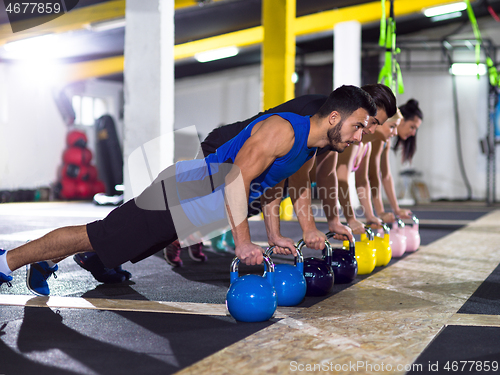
(278, 51)
(286, 209)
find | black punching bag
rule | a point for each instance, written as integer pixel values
(109, 156)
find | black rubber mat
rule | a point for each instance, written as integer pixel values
(112, 343)
(153, 279)
(486, 299)
(461, 350)
(467, 349)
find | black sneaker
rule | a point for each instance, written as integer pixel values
(90, 261)
(125, 273)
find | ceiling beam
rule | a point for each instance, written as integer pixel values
(310, 24)
(90, 69)
(179, 4)
(79, 18)
(76, 19)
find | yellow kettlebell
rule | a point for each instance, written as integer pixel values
(366, 253)
(383, 245)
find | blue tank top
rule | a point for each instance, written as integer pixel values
(200, 183)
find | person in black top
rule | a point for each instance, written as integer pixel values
(306, 105)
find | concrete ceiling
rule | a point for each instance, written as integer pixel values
(216, 17)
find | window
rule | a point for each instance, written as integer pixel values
(88, 109)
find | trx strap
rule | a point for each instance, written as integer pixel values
(477, 33)
(390, 74)
(492, 70)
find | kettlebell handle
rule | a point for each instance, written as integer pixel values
(415, 219)
(269, 269)
(369, 233)
(386, 228)
(301, 244)
(351, 243)
(331, 234)
(298, 259)
(400, 222)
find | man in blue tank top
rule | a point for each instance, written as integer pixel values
(265, 152)
(296, 185)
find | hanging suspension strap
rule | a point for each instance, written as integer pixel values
(390, 74)
(493, 74)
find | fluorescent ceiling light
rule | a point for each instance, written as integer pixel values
(468, 69)
(445, 9)
(216, 54)
(447, 16)
(107, 25)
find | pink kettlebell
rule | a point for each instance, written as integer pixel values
(398, 238)
(412, 236)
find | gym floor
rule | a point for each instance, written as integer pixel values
(433, 311)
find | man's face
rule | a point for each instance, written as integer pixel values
(348, 130)
(378, 119)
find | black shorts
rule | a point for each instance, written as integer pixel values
(131, 233)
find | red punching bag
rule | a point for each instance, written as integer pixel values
(84, 189)
(77, 156)
(92, 173)
(80, 172)
(68, 188)
(76, 138)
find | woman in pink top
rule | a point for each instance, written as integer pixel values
(374, 169)
(350, 161)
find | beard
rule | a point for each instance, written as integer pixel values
(335, 138)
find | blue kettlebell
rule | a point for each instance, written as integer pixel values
(252, 298)
(289, 281)
(343, 261)
(317, 272)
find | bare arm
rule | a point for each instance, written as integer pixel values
(326, 176)
(270, 202)
(344, 168)
(271, 139)
(375, 182)
(388, 183)
(299, 187)
(363, 187)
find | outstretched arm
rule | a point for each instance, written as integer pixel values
(388, 183)
(375, 181)
(270, 202)
(299, 188)
(270, 139)
(344, 168)
(363, 188)
(326, 176)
